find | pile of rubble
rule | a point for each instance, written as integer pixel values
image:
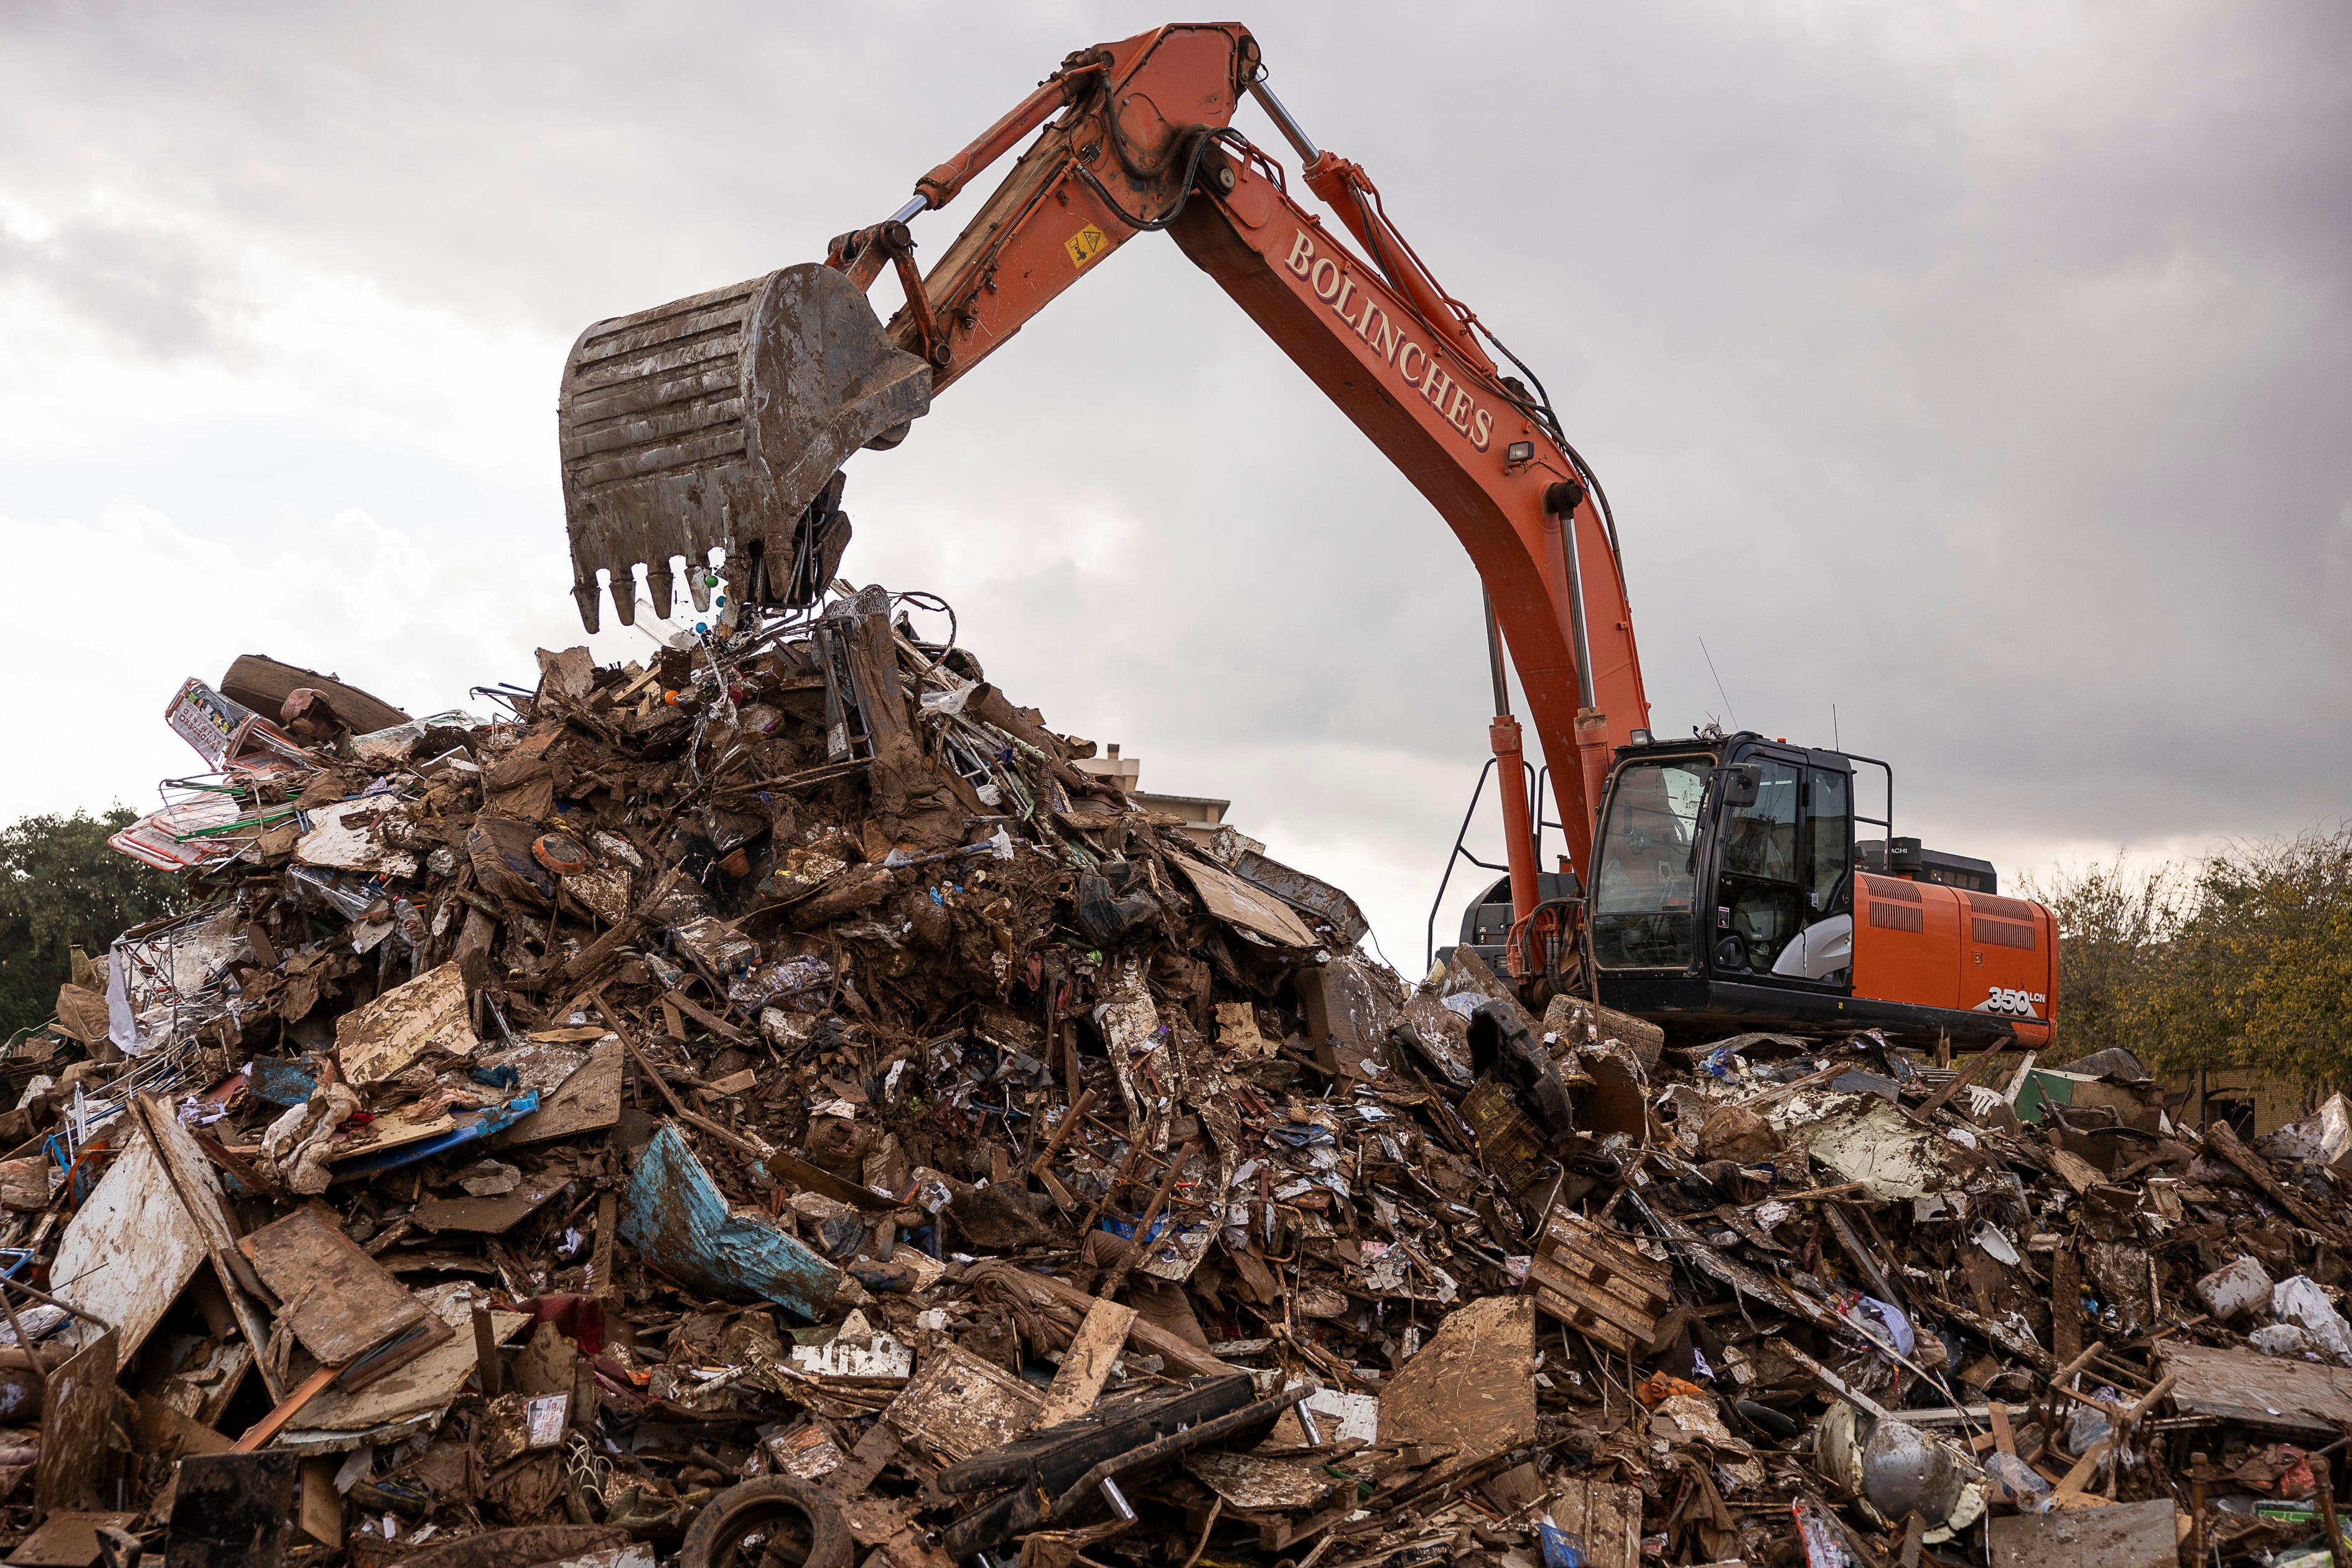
(778, 1106)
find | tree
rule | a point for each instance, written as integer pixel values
(61, 884)
(2260, 971)
(2112, 926)
(2241, 960)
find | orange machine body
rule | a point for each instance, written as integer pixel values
(1933, 946)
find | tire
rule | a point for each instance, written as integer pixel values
(813, 1534)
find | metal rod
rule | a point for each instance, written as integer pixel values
(1313, 1434)
(1292, 131)
(1118, 1501)
(1494, 657)
(1576, 609)
(915, 203)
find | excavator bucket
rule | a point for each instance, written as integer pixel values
(720, 422)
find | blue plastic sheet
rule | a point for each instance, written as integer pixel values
(680, 1222)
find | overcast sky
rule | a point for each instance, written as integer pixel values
(1982, 372)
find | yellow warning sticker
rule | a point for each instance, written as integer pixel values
(1084, 246)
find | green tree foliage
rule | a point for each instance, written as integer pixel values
(62, 885)
(2112, 924)
(2244, 959)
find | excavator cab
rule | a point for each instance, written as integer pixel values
(1730, 886)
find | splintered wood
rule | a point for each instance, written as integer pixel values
(2253, 1389)
(1087, 1363)
(1591, 1279)
(1608, 1517)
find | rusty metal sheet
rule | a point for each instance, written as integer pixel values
(712, 422)
(1308, 892)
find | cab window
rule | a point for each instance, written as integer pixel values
(1761, 907)
(1829, 843)
(1646, 865)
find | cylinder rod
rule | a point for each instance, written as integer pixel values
(1292, 131)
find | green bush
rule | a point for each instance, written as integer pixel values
(62, 885)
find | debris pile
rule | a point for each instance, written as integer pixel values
(775, 1105)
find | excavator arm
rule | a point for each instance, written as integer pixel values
(719, 421)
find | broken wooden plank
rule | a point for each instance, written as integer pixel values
(67, 1540)
(132, 1247)
(428, 1383)
(1937, 1100)
(2223, 1140)
(588, 1100)
(1472, 1386)
(338, 1302)
(268, 1426)
(1181, 1354)
(1608, 1516)
(74, 1421)
(2130, 1535)
(707, 1019)
(2075, 1171)
(319, 1511)
(1086, 1362)
(2240, 1387)
(199, 1189)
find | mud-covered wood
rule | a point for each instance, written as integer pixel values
(339, 1301)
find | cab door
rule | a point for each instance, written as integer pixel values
(1784, 897)
(1824, 949)
(1759, 897)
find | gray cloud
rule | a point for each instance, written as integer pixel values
(1984, 373)
(145, 286)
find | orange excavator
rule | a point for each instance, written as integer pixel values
(1709, 881)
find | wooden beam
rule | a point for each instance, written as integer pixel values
(1086, 1364)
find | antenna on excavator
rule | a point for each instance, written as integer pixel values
(1719, 691)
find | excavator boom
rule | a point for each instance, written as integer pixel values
(715, 424)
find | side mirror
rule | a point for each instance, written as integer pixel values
(1740, 783)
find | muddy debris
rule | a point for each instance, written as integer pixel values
(775, 1103)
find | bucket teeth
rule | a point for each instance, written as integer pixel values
(662, 589)
(584, 596)
(712, 422)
